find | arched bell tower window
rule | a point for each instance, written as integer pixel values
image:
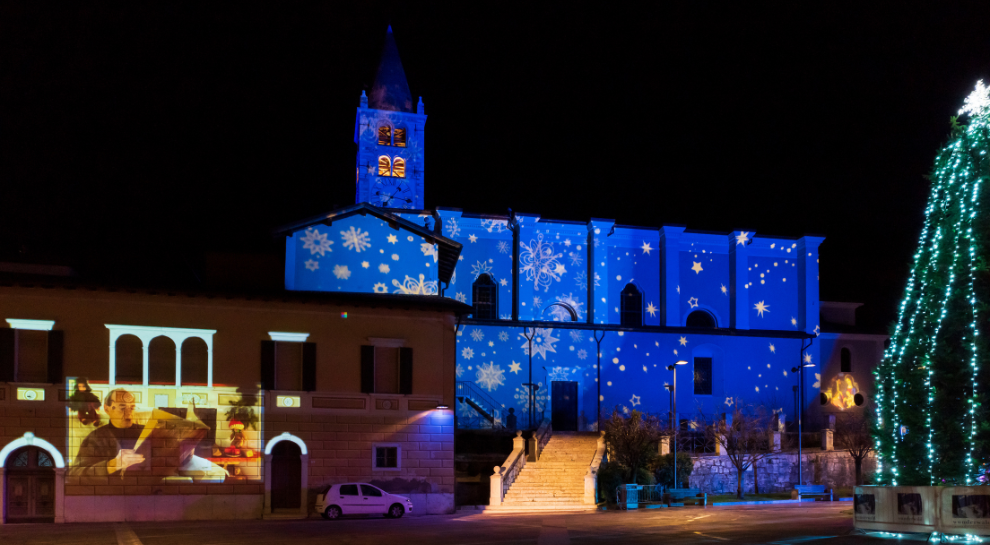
(701, 319)
(399, 139)
(399, 167)
(384, 135)
(631, 306)
(384, 166)
(484, 297)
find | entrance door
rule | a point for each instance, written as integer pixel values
(286, 475)
(564, 399)
(29, 487)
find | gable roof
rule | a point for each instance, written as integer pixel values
(447, 250)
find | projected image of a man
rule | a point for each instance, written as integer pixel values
(114, 447)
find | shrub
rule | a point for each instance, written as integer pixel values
(664, 469)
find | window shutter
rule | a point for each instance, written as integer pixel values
(405, 370)
(55, 342)
(367, 369)
(7, 354)
(309, 367)
(268, 365)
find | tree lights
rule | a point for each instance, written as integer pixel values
(930, 426)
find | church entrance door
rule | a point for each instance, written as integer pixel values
(564, 399)
(29, 486)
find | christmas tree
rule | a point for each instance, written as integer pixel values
(932, 383)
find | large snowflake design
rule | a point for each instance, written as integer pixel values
(477, 334)
(540, 264)
(467, 353)
(560, 314)
(543, 341)
(452, 228)
(494, 226)
(503, 336)
(480, 268)
(581, 280)
(428, 250)
(411, 286)
(978, 101)
(558, 373)
(316, 242)
(577, 336)
(459, 370)
(503, 247)
(461, 297)
(490, 376)
(582, 354)
(522, 398)
(341, 272)
(575, 258)
(356, 239)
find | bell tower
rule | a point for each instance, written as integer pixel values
(389, 132)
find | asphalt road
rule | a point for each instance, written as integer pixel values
(807, 524)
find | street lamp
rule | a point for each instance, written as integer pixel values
(800, 415)
(673, 411)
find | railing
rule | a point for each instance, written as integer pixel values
(506, 474)
(643, 494)
(591, 478)
(695, 442)
(539, 439)
(486, 410)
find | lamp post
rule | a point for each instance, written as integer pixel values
(673, 410)
(800, 416)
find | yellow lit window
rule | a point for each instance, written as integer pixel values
(399, 168)
(400, 137)
(384, 166)
(385, 136)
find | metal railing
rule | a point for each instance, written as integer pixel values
(476, 408)
(644, 494)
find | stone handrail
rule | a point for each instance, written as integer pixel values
(505, 474)
(543, 434)
(591, 478)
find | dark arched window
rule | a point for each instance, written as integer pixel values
(846, 362)
(484, 297)
(161, 361)
(631, 306)
(195, 361)
(400, 137)
(128, 360)
(385, 135)
(701, 318)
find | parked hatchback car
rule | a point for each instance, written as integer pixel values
(360, 499)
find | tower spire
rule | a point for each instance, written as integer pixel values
(390, 90)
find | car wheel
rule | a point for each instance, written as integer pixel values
(396, 511)
(332, 512)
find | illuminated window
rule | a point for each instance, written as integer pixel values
(385, 136)
(399, 168)
(400, 137)
(384, 166)
(846, 361)
(702, 376)
(631, 302)
(161, 361)
(484, 297)
(701, 318)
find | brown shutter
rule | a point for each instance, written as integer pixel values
(268, 365)
(55, 343)
(7, 344)
(309, 367)
(405, 370)
(367, 369)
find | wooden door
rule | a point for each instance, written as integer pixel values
(564, 400)
(29, 487)
(286, 475)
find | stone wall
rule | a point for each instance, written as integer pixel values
(779, 472)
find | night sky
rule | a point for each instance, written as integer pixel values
(137, 138)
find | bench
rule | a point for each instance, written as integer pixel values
(679, 495)
(816, 490)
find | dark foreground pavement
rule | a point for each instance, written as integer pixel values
(825, 523)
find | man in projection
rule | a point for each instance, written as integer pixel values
(123, 446)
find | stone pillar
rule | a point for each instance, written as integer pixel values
(670, 274)
(719, 449)
(664, 445)
(827, 439)
(775, 441)
(495, 496)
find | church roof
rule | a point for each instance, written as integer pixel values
(390, 90)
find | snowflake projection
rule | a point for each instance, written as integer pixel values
(539, 262)
(577, 336)
(467, 353)
(558, 373)
(490, 376)
(452, 228)
(978, 101)
(582, 354)
(316, 242)
(341, 272)
(380, 288)
(429, 250)
(521, 396)
(383, 268)
(818, 381)
(494, 226)
(410, 286)
(543, 341)
(312, 265)
(503, 336)
(581, 280)
(461, 297)
(537, 302)
(575, 258)
(503, 247)
(560, 314)
(477, 334)
(356, 239)
(480, 268)
(459, 370)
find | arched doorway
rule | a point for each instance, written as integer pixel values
(286, 475)
(29, 486)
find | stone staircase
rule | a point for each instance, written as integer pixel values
(556, 481)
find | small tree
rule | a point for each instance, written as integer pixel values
(633, 439)
(854, 436)
(745, 438)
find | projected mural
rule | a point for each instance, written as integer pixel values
(163, 435)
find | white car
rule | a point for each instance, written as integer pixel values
(360, 499)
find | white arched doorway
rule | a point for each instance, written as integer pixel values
(38, 457)
(286, 457)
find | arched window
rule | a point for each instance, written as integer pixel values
(560, 312)
(399, 167)
(384, 166)
(702, 319)
(129, 360)
(846, 361)
(161, 361)
(385, 135)
(631, 306)
(195, 361)
(400, 137)
(484, 297)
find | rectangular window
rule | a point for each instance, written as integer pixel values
(386, 370)
(702, 376)
(386, 456)
(32, 356)
(288, 366)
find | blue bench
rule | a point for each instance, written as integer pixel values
(814, 490)
(680, 495)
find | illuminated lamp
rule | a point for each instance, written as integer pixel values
(441, 407)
